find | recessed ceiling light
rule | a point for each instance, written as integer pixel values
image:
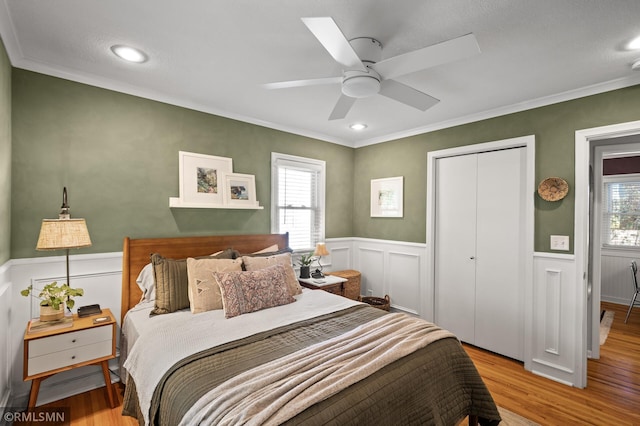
(358, 126)
(634, 44)
(130, 54)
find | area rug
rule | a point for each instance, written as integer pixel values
(509, 418)
(605, 325)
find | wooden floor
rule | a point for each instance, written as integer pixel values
(612, 396)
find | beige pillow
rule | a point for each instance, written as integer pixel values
(255, 263)
(269, 249)
(172, 283)
(204, 291)
(250, 291)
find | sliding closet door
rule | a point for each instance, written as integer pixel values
(500, 261)
(455, 245)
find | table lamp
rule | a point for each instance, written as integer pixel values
(63, 233)
(321, 250)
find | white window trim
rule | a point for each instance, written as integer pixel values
(304, 162)
(631, 177)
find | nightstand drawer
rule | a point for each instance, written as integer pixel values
(66, 341)
(75, 355)
(334, 288)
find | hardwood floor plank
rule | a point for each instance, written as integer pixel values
(613, 382)
(610, 398)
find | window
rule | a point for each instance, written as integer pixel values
(621, 211)
(297, 199)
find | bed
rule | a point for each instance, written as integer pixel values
(318, 359)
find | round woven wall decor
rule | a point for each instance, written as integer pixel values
(553, 189)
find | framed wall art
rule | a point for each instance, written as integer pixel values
(239, 189)
(387, 197)
(202, 178)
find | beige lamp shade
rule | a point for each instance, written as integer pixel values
(57, 234)
(321, 250)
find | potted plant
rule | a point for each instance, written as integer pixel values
(304, 262)
(53, 298)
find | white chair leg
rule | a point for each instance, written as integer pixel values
(633, 302)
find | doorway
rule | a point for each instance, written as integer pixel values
(587, 261)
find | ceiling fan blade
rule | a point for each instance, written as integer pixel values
(430, 56)
(407, 95)
(342, 107)
(329, 35)
(301, 83)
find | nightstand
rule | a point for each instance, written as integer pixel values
(329, 283)
(52, 351)
(351, 288)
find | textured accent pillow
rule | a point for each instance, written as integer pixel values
(250, 291)
(254, 263)
(172, 282)
(264, 253)
(204, 291)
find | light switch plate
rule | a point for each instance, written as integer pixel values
(560, 242)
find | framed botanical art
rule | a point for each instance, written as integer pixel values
(201, 178)
(240, 190)
(387, 197)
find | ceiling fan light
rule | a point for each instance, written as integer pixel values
(129, 54)
(634, 44)
(361, 86)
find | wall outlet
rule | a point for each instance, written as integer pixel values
(560, 242)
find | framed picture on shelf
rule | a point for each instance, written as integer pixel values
(240, 190)
(202, 178)
(387, 197)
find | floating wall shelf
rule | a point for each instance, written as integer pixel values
(176, 202)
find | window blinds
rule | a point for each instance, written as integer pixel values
(621, 212)
(299, 212)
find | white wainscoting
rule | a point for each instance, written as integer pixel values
(388, 267)
(100, 275)
(393, 268)
(615, 273)
(554, 323)
(5, 334)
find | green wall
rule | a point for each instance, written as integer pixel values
(118, 157)
(554, 128)
(5, 156)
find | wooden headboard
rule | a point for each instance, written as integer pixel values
(136, 253)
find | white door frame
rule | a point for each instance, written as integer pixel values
(581, 235)
(528, 142)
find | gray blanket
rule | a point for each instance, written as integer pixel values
(437, 384)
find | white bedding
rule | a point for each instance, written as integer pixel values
(155, 344)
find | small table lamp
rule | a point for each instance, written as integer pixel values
(63, 233)
(321, 250)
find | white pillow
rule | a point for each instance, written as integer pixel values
(147, 283)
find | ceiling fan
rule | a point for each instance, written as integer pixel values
(365, 74)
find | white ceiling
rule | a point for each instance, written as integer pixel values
(213, 55)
